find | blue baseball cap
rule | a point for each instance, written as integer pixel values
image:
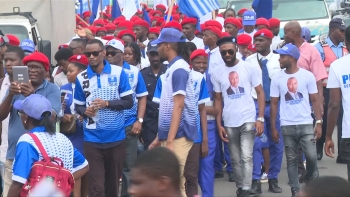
(169, 35)
(288, 49)
(28, 45)
(34, 106)
(249, 18)
(306, 33)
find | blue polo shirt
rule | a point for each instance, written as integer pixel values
(139, 89)
(57, 145)
(337, 50)
(112, 84)
(51, 92)
(202, 95)
(177, 80)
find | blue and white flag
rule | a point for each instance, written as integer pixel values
(130, 8)
(197, 8)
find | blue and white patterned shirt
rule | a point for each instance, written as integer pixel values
(112, 84)
(202, 95)
(139, 89)
(57, 145)
(177, 80)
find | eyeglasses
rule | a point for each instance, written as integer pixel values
(20, 112)
(230, 52)
(112, 53)
(94, 53)
(35, 68)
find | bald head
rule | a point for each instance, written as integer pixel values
(293, 26)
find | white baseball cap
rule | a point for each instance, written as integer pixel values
(116, 43)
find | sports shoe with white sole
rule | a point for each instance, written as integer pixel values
(264, 178)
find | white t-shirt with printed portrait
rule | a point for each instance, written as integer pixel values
(294, 90)
(339, 77)
(236, 83)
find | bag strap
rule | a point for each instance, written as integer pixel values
(39, 145)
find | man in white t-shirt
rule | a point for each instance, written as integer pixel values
(296, 87)
(232, 84)
(339, 85)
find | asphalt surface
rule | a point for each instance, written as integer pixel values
(327, 167)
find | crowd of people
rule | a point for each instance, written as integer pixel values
(230, 94)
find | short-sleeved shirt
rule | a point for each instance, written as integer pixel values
(293, 90)
(339, 77)
(139, 89)
(239, 106)
(177, 80)
(112, 84)
(16, 129)
(310, 60)
(56, 145)
(337, 50)
(201, 91)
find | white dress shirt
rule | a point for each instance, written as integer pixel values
(275, 42)
(273, 65)
(215, 60)
(198, 42)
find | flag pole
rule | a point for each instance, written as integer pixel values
(213, 14)
(170, 10)
(82, 20)
(101, 6)
(89, 6)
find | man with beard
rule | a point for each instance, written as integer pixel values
(62, 56)
(240, 123)
(151, 74)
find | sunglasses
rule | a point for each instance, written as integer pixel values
(112, 53)
(230, 52)
(94, 53)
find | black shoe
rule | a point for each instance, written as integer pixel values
(273, 186)
(340, 160)
(246, 193)
(239, 192)
(301, 178)
(294, 193)
(219, 174)
(256, 188)
(319, 152)
(231, 178)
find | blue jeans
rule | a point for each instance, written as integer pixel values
(293, 136)
(241, 142)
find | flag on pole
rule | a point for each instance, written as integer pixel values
(115, 9)
(146, 16)
(94, 10)
(129, 8)
(197, 8)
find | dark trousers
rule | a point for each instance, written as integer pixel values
(191, 170)
(345, 153)
(106, 167)
(321, 141)
(130, 158)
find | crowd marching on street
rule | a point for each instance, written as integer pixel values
(159, 107)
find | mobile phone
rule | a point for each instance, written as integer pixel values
(20, 74)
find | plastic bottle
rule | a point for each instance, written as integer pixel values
(263, 138)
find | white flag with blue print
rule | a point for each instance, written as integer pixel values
(197, 8)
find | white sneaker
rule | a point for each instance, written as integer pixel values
(264, 178)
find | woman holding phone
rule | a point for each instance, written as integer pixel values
(71, 124)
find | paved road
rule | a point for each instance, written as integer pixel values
(327, 166)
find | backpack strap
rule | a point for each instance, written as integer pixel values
(39, 145)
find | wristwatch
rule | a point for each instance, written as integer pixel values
(261, 119)
(319, 121)
(140, 120)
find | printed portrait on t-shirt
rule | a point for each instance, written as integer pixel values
(292, 93)
(234, 88)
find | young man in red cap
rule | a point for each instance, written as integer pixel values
(261, 23)
(211, 35)
(188, 28)
(161, 8)
(271, 152)
(38, 65)
(243, 41)
(140, 28)
(275, 28)
(153, 33)
(233, 83)
(232, 26)
(5, 42)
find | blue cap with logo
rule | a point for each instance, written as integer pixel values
(249, 18)
(34, 106)
(28, 45)
(169, 35)
(288, 49)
